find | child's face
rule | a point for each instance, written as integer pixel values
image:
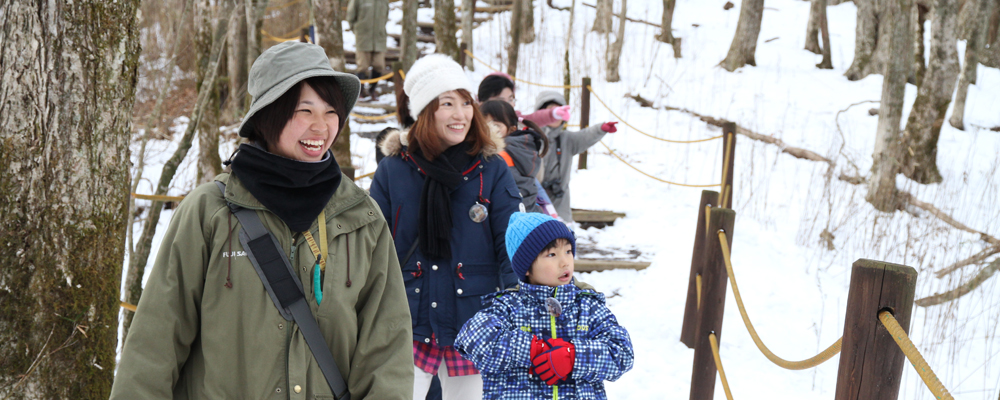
(554, 267)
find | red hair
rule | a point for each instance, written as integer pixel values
(423, 135)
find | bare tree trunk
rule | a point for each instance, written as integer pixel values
(615, 51)
(882, 192)
(812, 28)
(923, 127)
(137, 264)
(973, 47)
(329, 25)
(744, 45)
(824, 27)
(255, 10)
(515, 38)
(209, 163)
(468, 14)
(408, 41)
(666, 21)
(66, 112)
(871, 48)
(567, 77)
(918, 16)
(444, 28)
(602, 24)
(528, 22)
(238, 69)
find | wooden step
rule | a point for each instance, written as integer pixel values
(596, 218)
(582, 265)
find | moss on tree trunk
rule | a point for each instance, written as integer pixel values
(69, 73)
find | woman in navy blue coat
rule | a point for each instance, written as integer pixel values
(447, 197)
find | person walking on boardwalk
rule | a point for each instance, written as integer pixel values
(447, 196)
(368, 19)
(565, 145)
(212, 323)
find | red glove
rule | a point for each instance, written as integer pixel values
(555, 364)
(538, 346)
(609, 127)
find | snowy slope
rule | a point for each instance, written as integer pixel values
(795, 290)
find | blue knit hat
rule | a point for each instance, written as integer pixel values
(528, 234)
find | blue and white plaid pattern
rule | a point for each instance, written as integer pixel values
(498, 341)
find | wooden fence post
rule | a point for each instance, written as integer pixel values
(713, 303)
(708, 198)
(871, 362)
(584, 117)
(461, 54)
(728, 156)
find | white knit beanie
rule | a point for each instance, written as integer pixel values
(429, 77)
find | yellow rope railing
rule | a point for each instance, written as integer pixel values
(156, 197)
(381, 78)
(911, 352)
(127, 306)
(651, 176)
(793, 365)
(640, 131)
(522, 80)
(374, 117)
(278, 7)
(718, 364)
(284, 39)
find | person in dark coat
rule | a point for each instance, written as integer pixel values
(524, 149)
(447, 197)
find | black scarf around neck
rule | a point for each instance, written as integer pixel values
(444, 174)
(295, 191)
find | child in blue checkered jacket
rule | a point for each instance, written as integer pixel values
(550, 338)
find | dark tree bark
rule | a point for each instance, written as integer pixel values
(882, 192)
(812, 28)
(871, 41)
(528, 22)
(137, 264)
(918, 16)
(238, 68)
(615, 51)
(209, 163)
(978, 17)
(255, 10)
(741, 51)
(515, 38)
(602, 24)
(408, 41)
(329, 16)
(923, 126)
(445, 28)
(66, 111)
(666, 21)
(824, 27)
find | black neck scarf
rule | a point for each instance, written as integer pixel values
(295, 191)
(444, 174)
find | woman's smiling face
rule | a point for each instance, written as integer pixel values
(453, 118)
(311, 130)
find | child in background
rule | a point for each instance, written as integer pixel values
(551, 337)
(523, 151)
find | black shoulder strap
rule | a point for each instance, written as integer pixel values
(285, 289)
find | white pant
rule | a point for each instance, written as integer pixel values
(452, 387)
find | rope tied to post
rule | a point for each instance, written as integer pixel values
(718, 364)
(469, 53)
(591, 89)
(818, 359)
(651, 176)
(906, 345)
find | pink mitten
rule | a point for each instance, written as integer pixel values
(561, 113)
(609, 127)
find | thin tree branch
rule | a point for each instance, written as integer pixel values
(962, 289)
(976, 259)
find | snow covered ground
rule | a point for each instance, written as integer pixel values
(794, 288)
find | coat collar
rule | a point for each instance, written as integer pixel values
(396, 141)
(565, 294)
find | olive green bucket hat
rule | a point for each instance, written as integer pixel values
(286, 64)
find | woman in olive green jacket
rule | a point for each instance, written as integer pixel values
(206, 328)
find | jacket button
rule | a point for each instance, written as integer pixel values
(459, 291)
(418, 263)
(434, 267)
(434, 304)
(427, 340)
(460, 265)
(277, 390)
(480, 166)
(338, 226)
(417, 290)
(370, 213)
(498, 288)
(297, 389)
(281, 326)
(466, 178)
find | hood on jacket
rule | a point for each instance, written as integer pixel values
(547, 96)
(396, 139)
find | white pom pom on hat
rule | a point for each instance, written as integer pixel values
(429, 77)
